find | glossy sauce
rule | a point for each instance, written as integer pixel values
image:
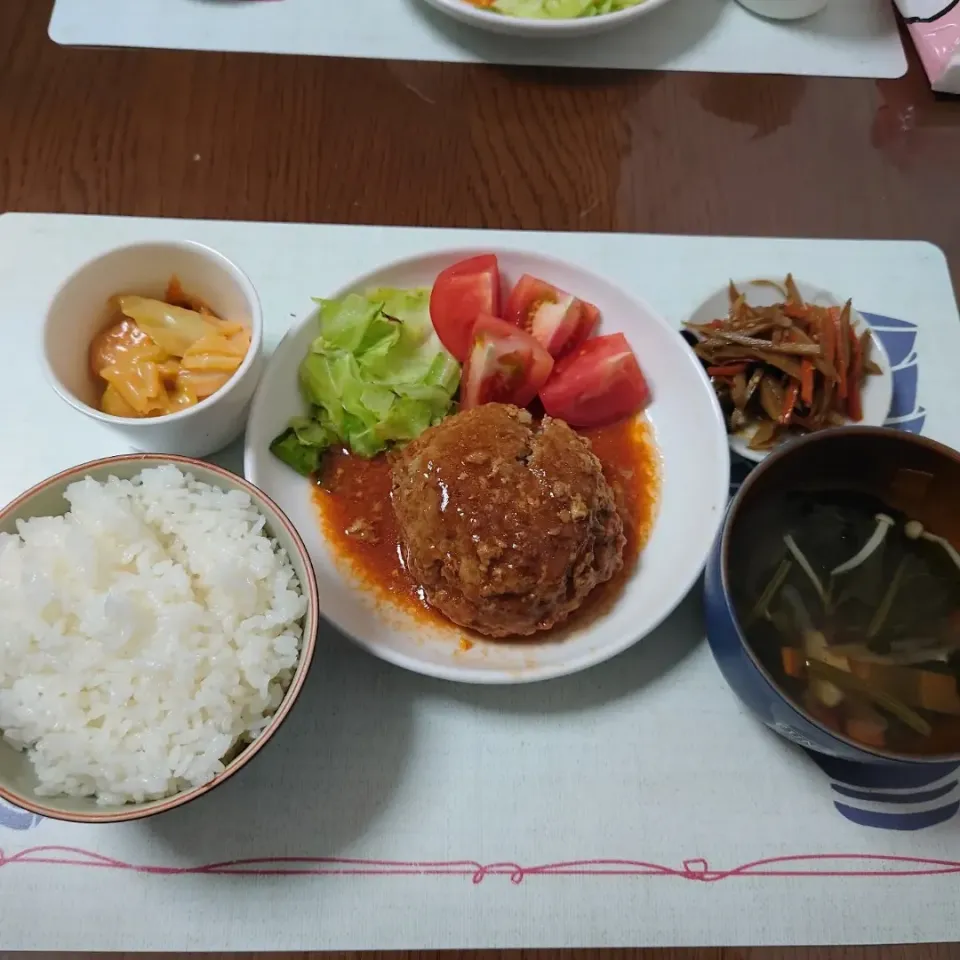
(119, 340)
(355, 513)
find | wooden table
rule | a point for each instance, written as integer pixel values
(152, 133)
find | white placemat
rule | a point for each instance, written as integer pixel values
(634, 804)
(851, 38)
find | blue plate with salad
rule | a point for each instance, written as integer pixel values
(504, 467)
(547, 18)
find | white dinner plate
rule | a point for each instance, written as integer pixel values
(689, 433)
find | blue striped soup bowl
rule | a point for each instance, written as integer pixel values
(862, 458)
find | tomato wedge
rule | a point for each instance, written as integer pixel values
(597, 385)
(505, 365)
(557, 319)
(460, 294)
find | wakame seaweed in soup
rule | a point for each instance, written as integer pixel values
(854, 609)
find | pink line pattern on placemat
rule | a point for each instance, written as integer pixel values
(802, 865)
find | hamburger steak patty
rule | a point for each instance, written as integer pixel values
(507, 525)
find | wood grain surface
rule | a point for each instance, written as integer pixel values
(175, 134)
(253, 137)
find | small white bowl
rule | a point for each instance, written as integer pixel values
(785, 9)
(530, 27)
(877, 390)
(80, 309)
(691, 440)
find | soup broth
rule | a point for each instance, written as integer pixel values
(853, 607)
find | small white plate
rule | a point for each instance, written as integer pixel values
(695, 466)
(877, 390)
(530, 27)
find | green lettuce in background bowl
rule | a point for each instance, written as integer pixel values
(561, 9)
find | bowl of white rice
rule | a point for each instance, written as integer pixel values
(158, 618)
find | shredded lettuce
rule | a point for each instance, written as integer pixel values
(375, 375)
(561, 9)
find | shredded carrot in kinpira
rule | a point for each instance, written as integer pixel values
(806, 382)
(790, 366)
(730, 370)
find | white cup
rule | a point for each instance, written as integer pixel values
(81, 308)
(785, 9)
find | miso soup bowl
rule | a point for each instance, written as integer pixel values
(871, 459)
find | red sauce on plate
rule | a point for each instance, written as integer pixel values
(356, 516)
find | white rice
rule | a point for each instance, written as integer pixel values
(143, 635)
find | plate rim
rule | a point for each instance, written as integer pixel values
(546, 28)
